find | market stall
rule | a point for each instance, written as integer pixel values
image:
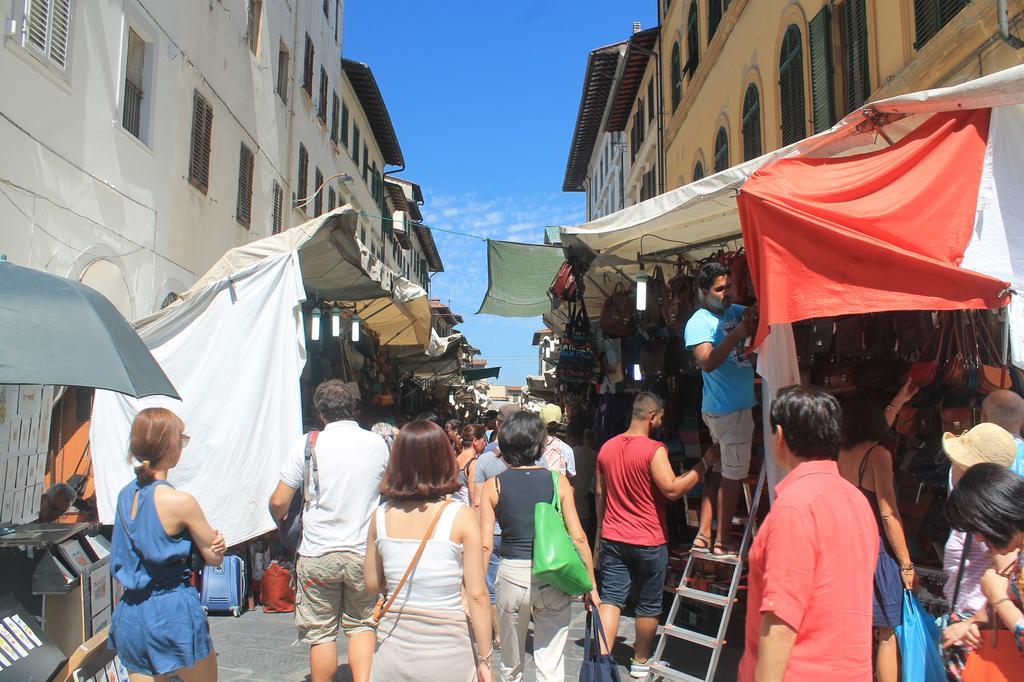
(236, 345)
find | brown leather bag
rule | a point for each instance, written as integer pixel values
(954, 371)
(926, 369)
(907, 422)
(563, 287)
(678, 303)
(956, 420)
(617, 318)
(993, 375)
(838, 377)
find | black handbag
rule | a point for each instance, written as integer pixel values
(597, 667)
(290, 526)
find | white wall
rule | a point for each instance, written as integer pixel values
(607, 171)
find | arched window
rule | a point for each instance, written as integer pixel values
(791, 87)
(692, 41)
(698, 171)
(714, 17)
(677, 77)
(751, 124)
(721, 150)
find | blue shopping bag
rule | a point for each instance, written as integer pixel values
(919, 640)
(597, 667)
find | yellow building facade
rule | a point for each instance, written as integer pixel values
(739, 78)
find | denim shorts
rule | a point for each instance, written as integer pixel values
(625, 566)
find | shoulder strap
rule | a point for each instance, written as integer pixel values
(864, 464)
(309, 458)
(415, 558)
(382, 530)
(960, 572)
(554, 491)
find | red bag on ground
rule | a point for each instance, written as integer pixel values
(276, 591)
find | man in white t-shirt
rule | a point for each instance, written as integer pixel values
(342, 496)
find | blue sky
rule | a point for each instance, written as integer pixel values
(484, 98)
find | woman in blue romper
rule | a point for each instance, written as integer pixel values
(158, 627)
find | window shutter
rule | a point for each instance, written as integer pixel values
(692, 42)
(131, 115)
(714, 17)
(751, 124)
(331, 199)
(49, 29)
(931, 15)
(335, 111)
(822, 78)
(721, 150)
(344, 125)
(791, 87)
(698, 171)
(318, 195)
(282, 74)
(322, 104)
(243, 210)
(307, 68)
(677, 76)
(650, 100)
(855, 34)
(278, 209)
(303, 179)
(202, 137)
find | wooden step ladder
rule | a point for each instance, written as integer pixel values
(660, 670)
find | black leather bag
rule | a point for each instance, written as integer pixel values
(822, 333)
(653, 357)
(290, 527)
(652, 318)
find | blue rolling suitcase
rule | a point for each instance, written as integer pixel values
(223, 587)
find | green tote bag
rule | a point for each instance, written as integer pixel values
(556, 560)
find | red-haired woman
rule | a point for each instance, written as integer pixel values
(158, 626)
(424, 635)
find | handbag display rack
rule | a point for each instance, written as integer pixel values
(660, 670)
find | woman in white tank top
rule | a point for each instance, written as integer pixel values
(424, 636)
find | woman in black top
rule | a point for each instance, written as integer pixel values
(511, 497)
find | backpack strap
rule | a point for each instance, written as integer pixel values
(310, 469)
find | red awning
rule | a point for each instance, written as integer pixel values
(873, 232)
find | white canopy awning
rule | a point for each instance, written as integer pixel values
(335, 265)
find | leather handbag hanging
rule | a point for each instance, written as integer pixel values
(822, 331)
(678, 303)
(849, 337)
(914, 329)
(802, 341)
(906, 421)
(955, 368)
(576, 352)
(838, 377)
(926, 369)
(652, 318)
(563, 287)
(653, 357)
(956, 420)
(617, 319)
(742, 285)
(993, 374)
(879, 333)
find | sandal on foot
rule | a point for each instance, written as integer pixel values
(722, 551)
(701, 544)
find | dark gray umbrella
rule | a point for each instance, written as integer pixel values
(56, 331)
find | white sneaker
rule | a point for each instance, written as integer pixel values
(639, 670)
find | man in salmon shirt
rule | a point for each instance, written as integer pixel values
(812, 563)
(634, 481)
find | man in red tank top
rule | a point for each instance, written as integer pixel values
(634, 481)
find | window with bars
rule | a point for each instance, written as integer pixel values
(721, 150)
(931, 15)
(282, 73)
(201, 142)
(243, 208)
(366, 163)
(332, 199)
(48, 30)
(307, 67)
(714, 18)
(335, 113)
(253, 23)
(344, 125)
(677, 78)
(134, 75)
(823, 89)
(751, 123)
(692, 42)
(318, 196)
(698, 171)
(791, 87)
(322, 104)
(302, 182)
(277, 211)
(855, 53)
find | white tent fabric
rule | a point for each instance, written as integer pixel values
(777, 365)
(235, 351)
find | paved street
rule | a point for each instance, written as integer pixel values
(257, 647)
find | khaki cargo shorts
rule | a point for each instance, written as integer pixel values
(733, 433)
(330, 590)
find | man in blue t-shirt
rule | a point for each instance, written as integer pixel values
(715, 334)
